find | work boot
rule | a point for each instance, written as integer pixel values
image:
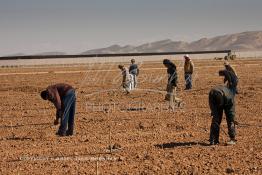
(60, 133)
(69, 133)
(231, 142)
(214, 142)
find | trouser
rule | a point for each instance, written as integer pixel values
(216, 104)
(134, 80)
(129, 84)
(171, 95)
(234, 90)
(188, 79)
(67, 120)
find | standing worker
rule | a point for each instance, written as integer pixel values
(64, 98)
(171, 84)
(127, 83)
(133, 70)
(188, 70)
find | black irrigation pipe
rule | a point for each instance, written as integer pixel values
(16, 138)
(111, 55)
(24, 125)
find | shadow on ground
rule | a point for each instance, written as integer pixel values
(180, 144)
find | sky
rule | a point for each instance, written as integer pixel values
(74, 26)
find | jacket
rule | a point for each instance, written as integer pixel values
(189, 67)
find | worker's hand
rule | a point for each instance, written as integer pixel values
(56, 121)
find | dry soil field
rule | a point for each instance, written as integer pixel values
(146, 138)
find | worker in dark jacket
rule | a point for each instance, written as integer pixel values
(171, 84)
(229, 68)
(133, 70)
(231, 79)
(221, 98)
(64, 98)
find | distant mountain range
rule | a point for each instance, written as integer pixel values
(246, 41)
(40, 54)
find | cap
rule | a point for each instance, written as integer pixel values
(186, 56)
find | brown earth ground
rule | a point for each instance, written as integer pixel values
(146, 137)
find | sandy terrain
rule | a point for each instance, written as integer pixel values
(146, 138)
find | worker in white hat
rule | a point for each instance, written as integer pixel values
(188, 70)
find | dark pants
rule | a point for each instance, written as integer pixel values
(67, 120)
(234, 90)
(188, 79)
(217, 105)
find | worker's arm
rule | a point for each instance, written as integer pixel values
(225, 80)
(57, 103)
(54, 97)
(191, 67)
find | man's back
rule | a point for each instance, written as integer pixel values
(61, 88)
(172, 74)
(226, 93)
(133, 69)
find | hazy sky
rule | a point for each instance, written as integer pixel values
(74, 26)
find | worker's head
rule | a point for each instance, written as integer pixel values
(133, 61)
(44, 94)
(120, 66)
(166, 62)
(186, 57)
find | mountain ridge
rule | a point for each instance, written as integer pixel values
(244, 41)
